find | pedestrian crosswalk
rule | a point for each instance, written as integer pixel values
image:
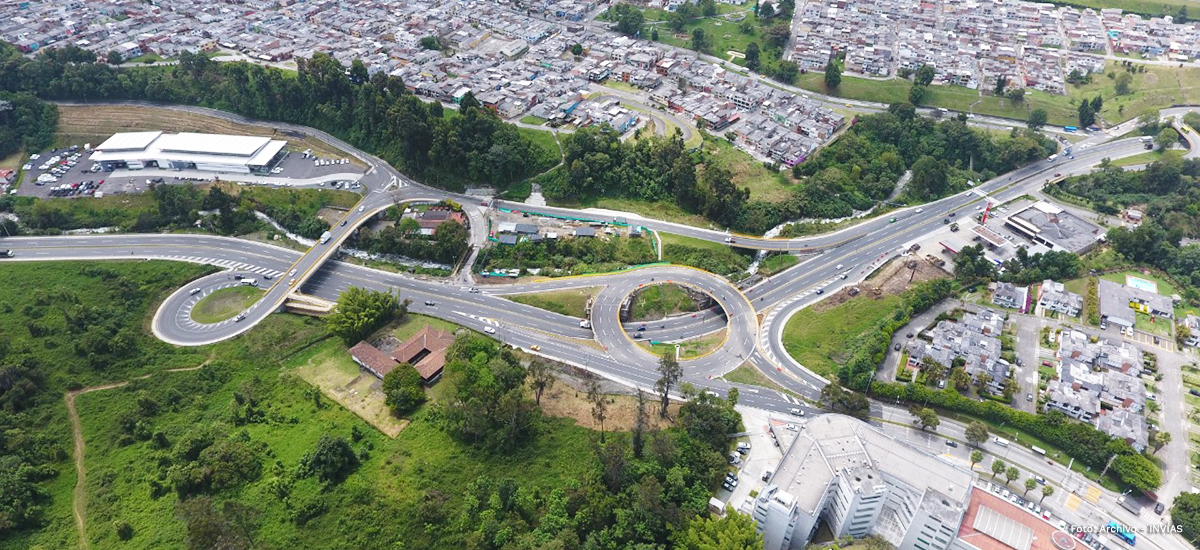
(229, 264)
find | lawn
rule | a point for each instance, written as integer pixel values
(329, 367)
(1164, 288)
(530, 119)
(413, 323)
(1143, 158)
(714, 257)
(545, 141)
(571, 302)
(723, 35)
(749, 375)
(764, 184)
(225, 303)
(658, 301)
(13, 161)
(691, 242)
(775, 264)
(818, 339)
(688, 349)
(306, 201)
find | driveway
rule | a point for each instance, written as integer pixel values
(915, 326)
(1174, 418)
(1028, 348)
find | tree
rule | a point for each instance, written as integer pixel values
(786, 72)
(1087, 117)
(629, 19)
(359, 312)
(1016, 95)
(1037, 119)
(331, 461)
(765, 11)
(932, 370)
(699, 40)
(1185, 512)
(977, 433)
(1166, 138)
(752, 60)
(960, 379)
(708, 7)
(1161, 439)
(733, 396)
(735, 531)
(403, 389)
(1124, 83)
(654, 34)
(1047, 490)
(970, 264)
(577, 49)
(209, 527)
(599, 403)
(833, 75)
(998, 467)
(929, 178)
(1138, 471)
(842, 401)
(638, 438)
(431, 43)
(115, 58)
(924, 75)
(1030, 483)
(541, 377)
(976, 458)
(1097, 104)
(927, 417)
(1001, 83)
(1012, 473)
(669, 373)
(916, 94)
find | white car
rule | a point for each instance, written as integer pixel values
(361, 208)
(489, 330)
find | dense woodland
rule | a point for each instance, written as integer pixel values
(573, 256)
(851, 174)
(376, 112)
(1167, 193)
(26, 122)
(448, 243)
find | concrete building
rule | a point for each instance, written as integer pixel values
(858, 481)
(1056, 298)
(1010, 296)
(1054, 227)
(211, 152)
(1120, 304)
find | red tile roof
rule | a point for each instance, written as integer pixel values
(425, 351)
(370, 358)
(1041, 529)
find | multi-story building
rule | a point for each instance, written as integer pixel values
(1056, 298)
(858, 481)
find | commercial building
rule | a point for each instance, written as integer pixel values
(210, 152)
(858, 481)
(1054, 227)
(1120, 304)
(1056, 298)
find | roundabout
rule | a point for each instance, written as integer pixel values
(178, 317)
(733, 313)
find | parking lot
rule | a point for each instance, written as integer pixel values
(68, 172)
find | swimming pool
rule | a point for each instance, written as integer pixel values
(1141, 284)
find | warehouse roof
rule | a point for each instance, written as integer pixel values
(128, 141)
(211, 144)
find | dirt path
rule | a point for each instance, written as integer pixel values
(79, 504)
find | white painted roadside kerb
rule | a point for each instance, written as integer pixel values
(160, 312)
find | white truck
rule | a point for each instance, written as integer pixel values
(325, 237)
(1000, 441)
(250, 282)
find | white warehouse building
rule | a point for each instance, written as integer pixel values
(209, 152)
(859, 482)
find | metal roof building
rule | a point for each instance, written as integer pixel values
(211, 152)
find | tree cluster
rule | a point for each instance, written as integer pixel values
(487, 407)
(572, 255)
(403, 389)
(375, 113)
(359, 312)
(1058, 265)
(446, 245)
(26, 122)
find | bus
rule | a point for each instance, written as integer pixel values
(1122, 533)
(1070, 128)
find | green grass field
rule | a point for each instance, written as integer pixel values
(571, 302)
(225, 303)
(747, 374)
(1143, 158)
(765, 185)
(722, 34)
(13, 161)
(658, 301)
(412, 323)
(818, 339)
(688, 349)
(775, 264)
(671, 238)
(375, 505)
(530, 119)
